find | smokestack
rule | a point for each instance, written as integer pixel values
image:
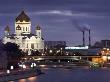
(89, 37)
(83, 37)
(83, 28)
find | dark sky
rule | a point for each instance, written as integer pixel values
(57, 17)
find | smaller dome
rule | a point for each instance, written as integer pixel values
(7, 28)
(38, 27)
(18, 28)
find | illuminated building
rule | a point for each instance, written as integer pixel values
(23, 36)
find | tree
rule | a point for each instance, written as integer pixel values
(12, 50)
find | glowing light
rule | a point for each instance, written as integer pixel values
(42, 65)
(108, 49)
(50, 51)
(109, 57)
(11, 81)
(104, 58)
(22, 80)
(42, 54)
(32, 79)
(85, 47)
(24, 66)
(34, 64)
(20, 65)
(8, 71)
(104, 48)
(38, 59)
(11, 67)
(59, 61)
(67, 54)
(58, 51)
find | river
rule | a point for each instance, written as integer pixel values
(71, 75)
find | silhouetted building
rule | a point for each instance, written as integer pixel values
(54, 44)
(105, 43)
(102, 44)
(3, 60)
(97, 44)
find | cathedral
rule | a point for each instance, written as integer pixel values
(23, 37)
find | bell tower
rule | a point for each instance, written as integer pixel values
(38, 31)
(7, 30)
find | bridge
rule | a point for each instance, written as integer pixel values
(60, 60)
(59, 57)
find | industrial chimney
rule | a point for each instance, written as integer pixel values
(89, 37)
(83, 37)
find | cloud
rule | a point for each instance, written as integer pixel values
(58, 12)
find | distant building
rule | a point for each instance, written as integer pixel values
(105, 43)
(23, 36)
(84, 51)
(53, 44)
(102, 44)
(97, 45)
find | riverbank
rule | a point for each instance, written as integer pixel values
(19, 74)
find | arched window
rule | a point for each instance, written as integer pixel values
(32, 46)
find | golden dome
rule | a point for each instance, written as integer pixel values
(22, 16)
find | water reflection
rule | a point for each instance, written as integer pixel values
(84, 74)
(32, 79)
(22, 80)
(11, 81)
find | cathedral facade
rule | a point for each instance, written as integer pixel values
(26, 40)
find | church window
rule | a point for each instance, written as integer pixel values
(32, 46)
(26, 28)
(23, 28)
(27, 45)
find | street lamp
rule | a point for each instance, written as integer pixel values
(50, 51)
(11, 67)
(8, 71)
(24, 66)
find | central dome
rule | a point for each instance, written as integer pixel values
(22, 17)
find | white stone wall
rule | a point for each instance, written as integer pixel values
(26, 44)
(5, 40)
(34, 42)
(18, 32)
(38, 33)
